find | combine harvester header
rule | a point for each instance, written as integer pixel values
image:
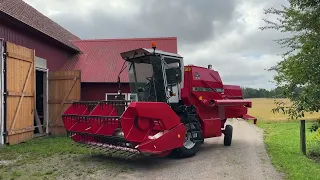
(177, 108)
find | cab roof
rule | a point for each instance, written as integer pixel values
(142, 52)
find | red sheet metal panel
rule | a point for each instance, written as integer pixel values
(56, 57)
(25, 13)
(97, 91)
(101, 60)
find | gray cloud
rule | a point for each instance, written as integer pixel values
(222, 33)
(99, 26)
(192, 21)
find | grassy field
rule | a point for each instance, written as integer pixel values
(262, 109)
(283, 145)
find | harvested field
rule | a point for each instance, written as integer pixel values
(262, 109)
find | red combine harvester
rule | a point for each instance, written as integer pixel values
(175, 109)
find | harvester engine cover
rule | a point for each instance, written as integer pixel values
(173, 109)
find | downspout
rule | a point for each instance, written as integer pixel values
(4, 90)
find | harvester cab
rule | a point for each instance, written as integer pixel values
(176, 108)
(155, 76)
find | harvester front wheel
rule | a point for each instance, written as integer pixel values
(189, 147)
(228, 135)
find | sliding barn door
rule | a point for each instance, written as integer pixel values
(64, 88)
(20, 97)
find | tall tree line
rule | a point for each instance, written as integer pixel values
(261, 93)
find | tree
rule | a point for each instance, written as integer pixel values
(298, 74)
(260, 93)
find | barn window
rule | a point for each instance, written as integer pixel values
(114, 96)
(132, 97)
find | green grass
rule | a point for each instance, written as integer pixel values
(282, 141)
(52, 157)
(40, 148)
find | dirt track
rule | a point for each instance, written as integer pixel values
(246, 159)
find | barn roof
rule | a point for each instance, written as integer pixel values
(101, 60)
(26, 14)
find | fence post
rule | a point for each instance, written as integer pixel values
(303, 136)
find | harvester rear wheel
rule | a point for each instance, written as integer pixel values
(228, 135)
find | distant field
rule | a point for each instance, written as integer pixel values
(262, 109)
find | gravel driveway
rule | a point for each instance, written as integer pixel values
(245, 159)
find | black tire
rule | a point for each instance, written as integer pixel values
(228, 135)
(185, 152)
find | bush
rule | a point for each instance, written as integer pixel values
(317, 136)
(314, 127)
(314, 149)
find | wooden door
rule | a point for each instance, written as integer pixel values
(20, 97)
(64, 88)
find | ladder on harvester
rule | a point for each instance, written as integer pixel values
(193, 124)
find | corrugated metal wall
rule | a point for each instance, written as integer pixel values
(97, 91)
(55, 56)
(103, 56)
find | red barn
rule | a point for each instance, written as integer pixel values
(45, 68)
(101, 63)
(34, 49)
(23, 25)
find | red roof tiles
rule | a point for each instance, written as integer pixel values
(25, 13)
(101, 60)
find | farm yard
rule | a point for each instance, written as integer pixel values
(56, 158)
(176, 82)
(59, 158)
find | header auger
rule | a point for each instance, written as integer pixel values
(177, 107)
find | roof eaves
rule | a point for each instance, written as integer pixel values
(71, 45)
(125, 39)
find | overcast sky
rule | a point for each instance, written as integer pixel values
(224, 33)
